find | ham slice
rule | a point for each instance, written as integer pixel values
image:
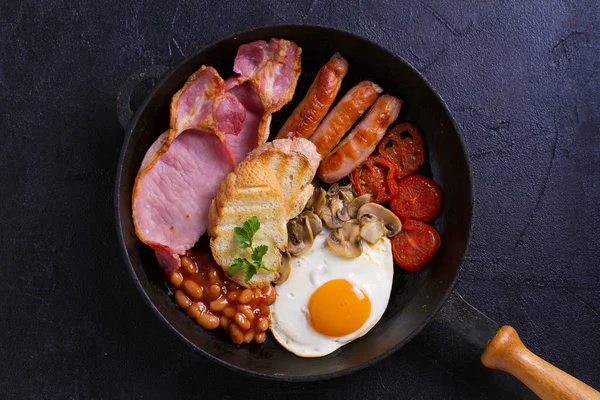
(181, 171)
(255, 129)
(265, 79)
(272, 68)
(213, 123)
(202, 103)
(172, 196)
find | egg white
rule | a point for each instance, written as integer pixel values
(372, 273)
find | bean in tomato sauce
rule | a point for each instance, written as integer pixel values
(202, 289)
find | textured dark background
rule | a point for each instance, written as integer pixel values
(522, 81)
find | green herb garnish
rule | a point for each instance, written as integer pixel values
(244, 235)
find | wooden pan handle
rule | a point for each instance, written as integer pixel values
(507, 353)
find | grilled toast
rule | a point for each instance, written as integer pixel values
(251, 190)
(294, 163)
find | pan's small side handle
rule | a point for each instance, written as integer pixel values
(507, 352)
(124, 93)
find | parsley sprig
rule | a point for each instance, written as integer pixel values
(245, 235)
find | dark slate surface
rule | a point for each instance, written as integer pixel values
(521, 79)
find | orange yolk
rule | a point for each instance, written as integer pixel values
(337, 308)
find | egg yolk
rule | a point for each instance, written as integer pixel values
(337, 308)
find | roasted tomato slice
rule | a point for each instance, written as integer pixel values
(418, 198)
(414, 246)
(404, 144)
(378, 176)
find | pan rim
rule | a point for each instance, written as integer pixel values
(280, 377)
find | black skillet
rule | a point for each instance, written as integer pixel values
(416, 297)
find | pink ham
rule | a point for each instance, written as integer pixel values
(171, 197)
(202, 103)
(250, 57)
(265, 80)
(173, 190)
(272, 69)
(167, 258)
(213, 123)
(255, 129)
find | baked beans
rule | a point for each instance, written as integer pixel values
(260, 337)
(229, 311)
(245, 297)
(237, 336)
(194, 310)
(213, 300)
(182, 300)
(224, 322)
(242, 321)
(214, 291)
(176, 279)
(192, 289)
(248, 336)
(188, 265)
(208, 321)
(262, 324)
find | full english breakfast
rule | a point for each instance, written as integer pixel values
(305, 229)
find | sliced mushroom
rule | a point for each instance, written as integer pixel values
(332, 205)
(295, 232)
(344, 192)
(342, 214)
(375, 219)
(335, 212)
(372, 229)
(333, 190)
(318, 201)
(340, 207)
(286, 261)
(330, 220)
(357, 203)
(300, 236)
(311, 199)
(316, 225)
(345, 241)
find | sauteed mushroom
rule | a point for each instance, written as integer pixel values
(357, 203)
(344, 192)
(316, 225)
(300, 239)
(335, 212)
(377, 221)
(318, 201)
(286, 262)
(302, 231)
(345, 241)
(372, 229)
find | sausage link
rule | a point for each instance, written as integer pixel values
(321, 94)
(341, 118)
(360, 143)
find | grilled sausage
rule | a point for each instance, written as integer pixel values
(321, 94)
(346, 112)
(361, 142)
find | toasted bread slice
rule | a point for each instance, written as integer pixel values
(294, 163)
(251, 190)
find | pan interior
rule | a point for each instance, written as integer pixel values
(415, 296)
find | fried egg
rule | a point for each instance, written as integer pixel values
(328, 300)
